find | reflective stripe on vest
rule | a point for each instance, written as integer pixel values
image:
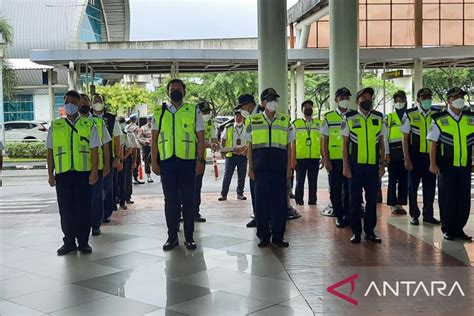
(419, 128)
(308, 139)
(230, 140)
(455, 139)
(265, 135)
(99, 123)
(364, 136)
(71, 151)
(335, 143)
(177, 133)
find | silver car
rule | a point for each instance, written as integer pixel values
(26, 131)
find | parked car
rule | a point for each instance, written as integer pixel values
(26, 130)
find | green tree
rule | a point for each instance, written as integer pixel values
(316, 88)
(371, 80)
(122, 99)
(442, 79)
(9, 78)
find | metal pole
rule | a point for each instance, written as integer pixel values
(384, 90)
(2, 113)
(52, 104)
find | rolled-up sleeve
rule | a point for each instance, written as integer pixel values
(49, 139)
(325, 128)
(405, 128)
(105, 135)
(433, 133)
(199, 121)
(117, 130)
(95, 140)
(291, 134)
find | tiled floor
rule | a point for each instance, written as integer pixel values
(129, 274)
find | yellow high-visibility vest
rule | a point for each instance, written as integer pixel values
(308, 139)
(335, 143)
(364, 137)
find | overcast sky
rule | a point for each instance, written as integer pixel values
(191, 19)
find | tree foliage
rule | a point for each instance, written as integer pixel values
(442, 79)
(316, 88)
(371, 80)
(9, 78)
(121, 99)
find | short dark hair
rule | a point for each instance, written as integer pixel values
(175, 81)
(307, 102)
(72, 93)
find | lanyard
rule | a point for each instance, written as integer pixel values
(308, 127)
(241, 131)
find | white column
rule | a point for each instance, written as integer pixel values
(2, 113)
(344, 46)
(273, 49)
(292, 94)
(71, 81)
(52, 115)
(299, 89)
(418, 76)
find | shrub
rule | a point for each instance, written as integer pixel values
(26, 150)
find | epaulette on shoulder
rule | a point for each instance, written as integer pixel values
(350, 113)
(411, 110)
(377, 113)
(439, 114)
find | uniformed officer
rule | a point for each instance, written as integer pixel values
(235, 140)
(397, 174)
(211, 142)
(116, 159)
(307, 153)
(270, 135)
(97, 207)
(415, 124)
(332, 157)
(363, 132)
(248, 106)
(452, 138)
(131, 155)
(133, 127)
(73, 161)
(177, 150)
(145, 141)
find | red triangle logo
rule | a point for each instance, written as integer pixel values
(332, 289)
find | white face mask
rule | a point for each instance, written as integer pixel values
(244, 113)
(99, 107)
(71, 108)
(272, 106)
(458, 103)
(399, 105)
(344, 104)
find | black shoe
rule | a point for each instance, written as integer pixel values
(463, 236)
(129, 202)
(190, 244)
(65, 249)
(123, 206)
(106, 220)
(415, 221)
(432, 220)
(222, 198)
(241, 197)
(96, 232)
(252, 223)
(85, 249)
(292, 196)
(312, 203)
(263, 243)
(402, 211)
(355, 239)
(170, 244)
(149, 179)
(448, 236)
(199, 219)
(299, 203)
(136, 181)
(282, 243)
(373, 238)
(340, 223)
(292, 213)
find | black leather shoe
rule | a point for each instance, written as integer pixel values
(312, 203)
(85, 249)
(123, 206)
(340, 223)
(355, 239)
(252, 223)
(263, 243)
(170, 244)
(299, 203)
(448, 236)
(433, 221)
(222, 198)
(96, 232)
(241, 197)
(190, 244)
(129, 202)
(282, 243)
(463, 236)
(373, 238)
(106, 220)
(65, 249)
(415, 221)
(199, 219)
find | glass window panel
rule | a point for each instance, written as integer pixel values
(430, 11)
(430, 33)
(323, 34)
(451, 11)
(451, 33)
(468, 35)
(403, 33)
(403, 11)
(19, 109)
(378, 33)
(378, 12)
(469, 12)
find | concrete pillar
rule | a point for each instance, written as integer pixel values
(304, 36)
(344, 46)
(78, 78)
(2, 113)
(273, 49)
(418, 77)
(71, 77)
(292, 94)
(299, 89)
(52, 103)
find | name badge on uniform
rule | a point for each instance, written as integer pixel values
(375, 122)
(355, 123)
(238, 141)
(416, 118)
(444, 122)
(308, 141)
(470, 121)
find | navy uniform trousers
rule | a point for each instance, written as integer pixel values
(74, 199)
(339, 191)
(421, 171)
(309, 167)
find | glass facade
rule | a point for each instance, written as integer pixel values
(91, 24)
(391, 23)
(21, 108)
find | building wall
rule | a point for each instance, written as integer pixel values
(41, 106)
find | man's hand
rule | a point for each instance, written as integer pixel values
(93, 177)
(327, 164)
(381, 171)
(387, 160)
(214, 146)
(346, 171)
(155, 167)
(408, 164)
(434, 169)
(289, 173)
(106, 170)
(199, 168)
(117, 164)
(251, 175)
(294, 163)
(52, 180)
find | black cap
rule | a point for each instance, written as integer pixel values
(424, 91)
(365, 90)
(204, 106)
(400, 93)
(268, 92)
(306, 102)
(244, 99)
(343, 92)
(456, 91)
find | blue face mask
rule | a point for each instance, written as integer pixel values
(70, 108)
(426, 104)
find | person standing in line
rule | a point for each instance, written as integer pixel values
(145, 142)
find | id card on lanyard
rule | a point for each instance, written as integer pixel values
(308, 129)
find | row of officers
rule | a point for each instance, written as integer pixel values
(355, 146)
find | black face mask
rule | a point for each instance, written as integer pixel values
(366, 105)
(85, 109)
(308, 112)
(176, 96)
